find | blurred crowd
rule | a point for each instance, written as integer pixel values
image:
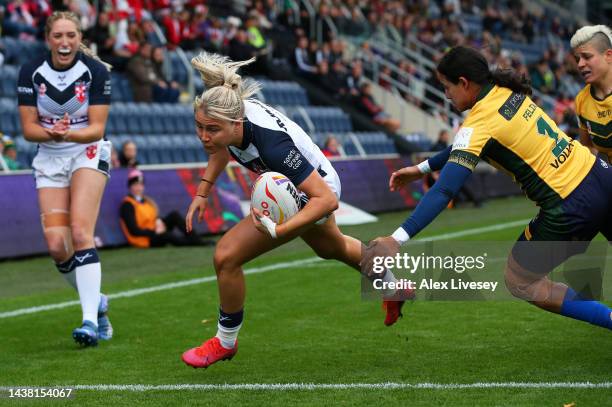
(124, 33)
(440, 25)
(8, 154)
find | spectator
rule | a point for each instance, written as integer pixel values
(542, 77)
(115, 163)
(323, 21)
(189, 31)
(256, 37)
(9, 154)
(375, 111)
(302, 59)
(172, 27)
(165, 90)
(128, 156)
(141, 224)
(465, 193)
(148, 31)
(324, 53)
(331, 147)
(385, 77)
(19, 22)
(442, 142)
(327, 79)
(239, 48)
(141, 74)
(355, 80)
(338, 79)
(3, 165)
(129, 36)
(337, 51)
(203, 26)
(101, 35)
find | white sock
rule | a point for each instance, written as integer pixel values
(227, 336)
(88, 279)
(389, 277)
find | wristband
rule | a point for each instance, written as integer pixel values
(269, 225)
(202, 196)
(424, 167)
(205, 180)
(400, 236)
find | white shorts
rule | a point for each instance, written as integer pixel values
(54, 170)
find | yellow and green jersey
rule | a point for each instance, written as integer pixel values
(510, 132)
(595, 116)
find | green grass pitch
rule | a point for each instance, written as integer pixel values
(303, 324)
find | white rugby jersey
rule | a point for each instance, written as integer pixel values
(54, 92)
(272, 142)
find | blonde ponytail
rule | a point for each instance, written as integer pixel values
(87, 51)
(225, 91)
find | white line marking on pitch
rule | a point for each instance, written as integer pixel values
(162, 287)
(296, 263)
(332, 386)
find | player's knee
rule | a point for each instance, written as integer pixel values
(223, 260)
(81, 237)
(512, 284)
(523, 285)
(58, 247)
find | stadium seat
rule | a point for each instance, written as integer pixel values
(283, 93)
(25, 151)
(376, 143)
(8, 81)
(419, 140)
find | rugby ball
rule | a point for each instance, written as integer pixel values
(275, 196)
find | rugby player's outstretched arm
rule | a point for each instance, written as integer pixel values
(451, 179)
(216, 164)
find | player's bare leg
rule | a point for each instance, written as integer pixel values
(86, 189)
(239, 245)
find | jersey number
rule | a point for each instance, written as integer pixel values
(544, 129)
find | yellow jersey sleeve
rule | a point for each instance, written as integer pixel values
(469, 143)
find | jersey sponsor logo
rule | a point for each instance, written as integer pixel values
(511, 105)
(42, 89)
(107, 88)
(52, 120)
(293, 159)
(462, 138)
(79, 90)
(562, 158)
(91, 151)
(25, 90)
(603, 114)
